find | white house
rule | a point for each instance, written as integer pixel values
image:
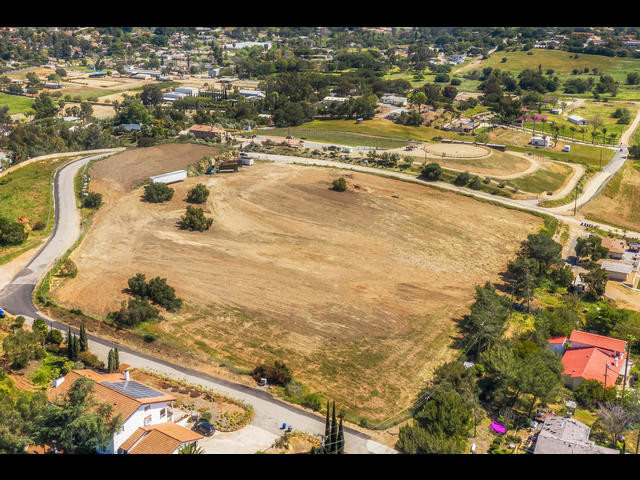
(330, 99)
(577, 120)
(540, 141)
(252, 94)
(147, 414)
(556, 111)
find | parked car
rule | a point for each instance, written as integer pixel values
(1, 313)
(205, 428)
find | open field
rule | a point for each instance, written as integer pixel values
(120, 172)
(619, 201)
(26, 192)
(16, 103)
(550, 177)
(374, 131)
(358, 292)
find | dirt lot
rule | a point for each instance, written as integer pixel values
(121, 171)
(458, 150)
(356, 291)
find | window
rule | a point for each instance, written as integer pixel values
(163, 412)
(147, 420)
(147, 408)
(121, 429)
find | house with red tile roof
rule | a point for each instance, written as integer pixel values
(589, 356)
(147, 414)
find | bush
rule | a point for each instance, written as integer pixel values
(90, 360)
(206, 416)
(278, 374)
(11, 233)
(146, 142)
(198, 194)
(194, 219)
(432, 171)
(314, 401)
(340, 185)
(68, 269)
(54, 337)
(137, 310)
(39, 225)
(156, 290)
(442, 78)
(462, 179)
(455, 81)
(157, 193)
(92, 200)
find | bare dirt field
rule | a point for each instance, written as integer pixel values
(356, 291)
(460, 150)
(121, 171)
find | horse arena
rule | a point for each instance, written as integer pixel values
(457, 150)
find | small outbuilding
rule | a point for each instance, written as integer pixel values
(170, 177)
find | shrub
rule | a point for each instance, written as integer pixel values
(455, 81)
(146, 142)
(11, 233)
(198, 194)
(432, 171)
(313, 401)
(136, 311)
(462, 179)
(156, 290)
(340, 185)
(278, 374)
(54, 337)
(157, 193)
(92, 200)
(442, 78)
(194, 219)
(90, 360)
(39, 225)
(206, 416)
(68, 269)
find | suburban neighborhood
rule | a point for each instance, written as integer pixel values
(319, 240)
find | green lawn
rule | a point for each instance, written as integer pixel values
(26, 192)
(17, 103)
(543, 180)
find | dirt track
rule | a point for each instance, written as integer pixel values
(347, 288)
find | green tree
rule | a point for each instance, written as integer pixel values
(83, 344)
(596, 280)
(77, 422)
(44, 106)
(432, 171)
(194, 219)
(21, 347)
(198, 194)
(151, 95)
(339, 185)
(157, 193)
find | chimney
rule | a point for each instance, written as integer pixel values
(616, 360)
(57, 381)
(126, 375)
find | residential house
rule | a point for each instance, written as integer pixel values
(207, 131)
(617, 247)
(588, 356)
(141, 408)
(540, 141)
(394, 100)
(565, 435)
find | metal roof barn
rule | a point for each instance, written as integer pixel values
(170, 177)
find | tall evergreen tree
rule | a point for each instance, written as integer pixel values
(327, 430)
(333, 436)
(84, 344)
(110, 361)
(68, 339)
(116, 360)
(340, 445)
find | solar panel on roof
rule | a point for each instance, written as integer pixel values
(134, 389)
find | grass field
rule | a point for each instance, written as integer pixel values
(549, 178)
(26, 192)
(369, 133)
(16, 103)
(619, 201)
(358, 292)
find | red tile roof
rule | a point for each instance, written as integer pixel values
(599, 341)
(590, 364)
(557, 340)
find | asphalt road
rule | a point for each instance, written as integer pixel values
(16, 298)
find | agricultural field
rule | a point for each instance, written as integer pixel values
(359, 292)
(619, 202)
(26, 192)
(16, 103)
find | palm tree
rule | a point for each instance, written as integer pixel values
(191, 449)
(582, 130)
(573, 131)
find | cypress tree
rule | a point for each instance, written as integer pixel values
(68, 340)
(340, 437)
(116, 360)
(73, 352)
(84, 344)
(334, 431)
(327, 430)
(110, 361)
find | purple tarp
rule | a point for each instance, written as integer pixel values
(498, 427)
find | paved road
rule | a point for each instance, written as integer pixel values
(16, 298)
